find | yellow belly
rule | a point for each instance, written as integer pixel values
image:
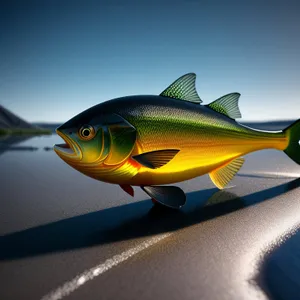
(198, 159)
(199, 154)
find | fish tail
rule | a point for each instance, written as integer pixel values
(293, 148)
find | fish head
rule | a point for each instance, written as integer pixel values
(95, 139)
(84, 141)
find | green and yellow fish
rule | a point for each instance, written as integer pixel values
(150, 141)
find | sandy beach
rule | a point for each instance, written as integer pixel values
(66, 235)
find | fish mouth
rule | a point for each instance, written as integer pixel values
(67, 150)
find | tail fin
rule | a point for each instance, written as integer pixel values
(293, 148)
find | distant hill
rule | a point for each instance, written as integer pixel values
(13, 124)
(50, 126)
(268, 125)
(10, 120)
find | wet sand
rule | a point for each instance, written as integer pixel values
(56, 224)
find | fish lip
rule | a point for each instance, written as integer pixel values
(69, 150)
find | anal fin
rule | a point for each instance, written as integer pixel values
(223, 175)
(128, 189)
(171, 196)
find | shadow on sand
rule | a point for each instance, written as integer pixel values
(279, 271)
(128, 222)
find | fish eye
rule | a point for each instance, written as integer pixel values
(86, 132)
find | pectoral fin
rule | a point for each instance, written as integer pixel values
(170, 196)
(223, 175)
(156, 159)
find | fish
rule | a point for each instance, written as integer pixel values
(152, 141)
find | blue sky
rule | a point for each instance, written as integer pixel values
(58, 58)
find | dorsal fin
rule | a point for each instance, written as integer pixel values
(227, 105)
(183, 89)
(221, 176)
